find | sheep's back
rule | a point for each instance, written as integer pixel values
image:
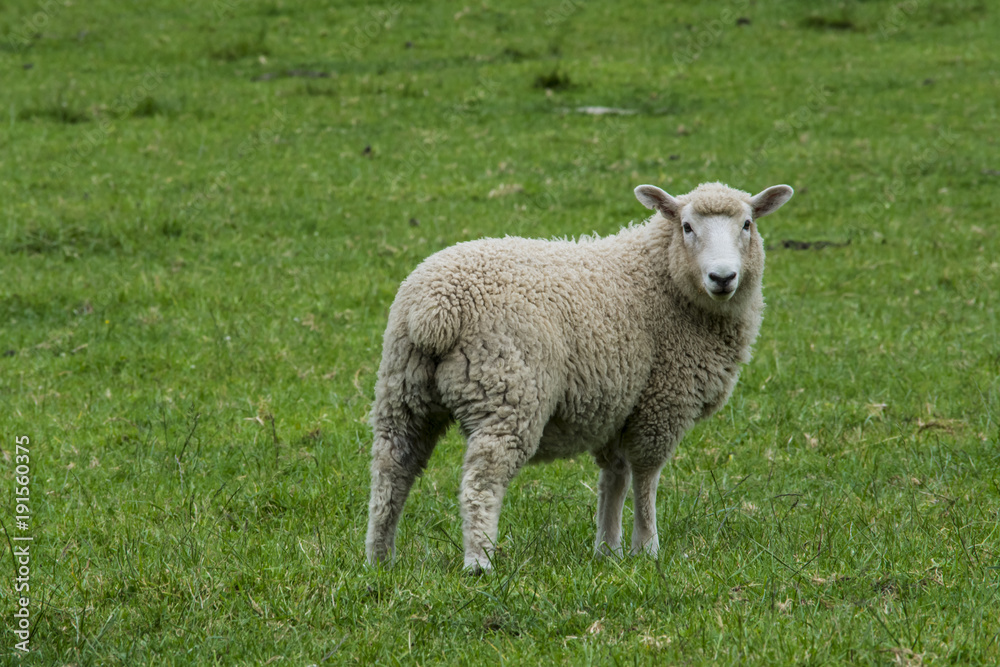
(574, 311)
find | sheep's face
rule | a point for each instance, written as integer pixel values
(716, 244)
(718, 232)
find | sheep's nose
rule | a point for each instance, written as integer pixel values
(722, 281)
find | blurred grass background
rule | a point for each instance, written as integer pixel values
(207, 210)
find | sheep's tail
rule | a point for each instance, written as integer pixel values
(422, 328)
(434, 323)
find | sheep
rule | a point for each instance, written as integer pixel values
(541, 349)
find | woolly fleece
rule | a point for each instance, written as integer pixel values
(547, 349)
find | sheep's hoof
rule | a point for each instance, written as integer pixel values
(477, 564)
(605, 550)
(650, 549)
(380, 557)
(379, 563)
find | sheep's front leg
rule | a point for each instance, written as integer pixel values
(612, 486)
(644, 537)
(490, 464)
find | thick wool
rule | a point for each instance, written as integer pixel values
(548, 349)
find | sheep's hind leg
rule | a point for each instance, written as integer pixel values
(612, 487)
(644, 537)
(491, 462)
(397, 460)
(495, 395)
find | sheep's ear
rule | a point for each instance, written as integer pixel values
(656, 199)
(770, 200)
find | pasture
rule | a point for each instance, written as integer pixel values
(207, 209)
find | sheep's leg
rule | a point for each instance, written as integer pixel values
(612, 486)
(397, 459)
(490, 464)
(407, 421)
(495, 395)
(644, 537)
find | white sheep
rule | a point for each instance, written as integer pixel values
(546, 349)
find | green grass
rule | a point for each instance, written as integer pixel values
(207, 210)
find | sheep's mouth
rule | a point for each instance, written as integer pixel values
(723, 294)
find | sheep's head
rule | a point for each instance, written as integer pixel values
(718, 231)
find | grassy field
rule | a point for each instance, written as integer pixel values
(206, 211)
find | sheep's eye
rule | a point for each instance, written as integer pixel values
(687, 228)
(746, 226)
